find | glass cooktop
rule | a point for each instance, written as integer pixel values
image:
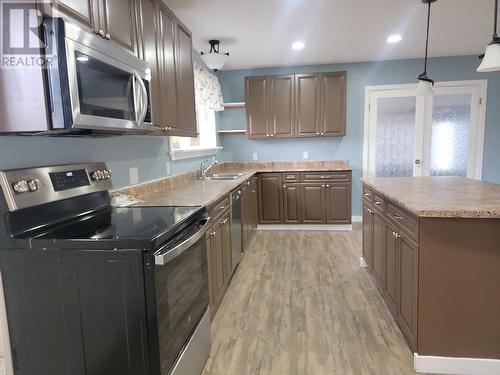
(130, 227)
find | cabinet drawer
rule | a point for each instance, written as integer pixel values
(325, 176)
(403, 219)
(219, 208)
(290, 177)
(379, 202)
(367, 194)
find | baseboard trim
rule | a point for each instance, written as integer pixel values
(457, 366)
(305, 227)
(357, 219)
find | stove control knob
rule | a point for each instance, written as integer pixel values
(109, 173)
(34, 185)
(96, 176)
(21, 186)
(106, 174)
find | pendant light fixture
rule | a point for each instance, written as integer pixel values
(424, 82)
(214, 59)
(491, 59)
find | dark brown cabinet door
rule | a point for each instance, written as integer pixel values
(226, 248)
(256, 107)
(368, 235)
(270, 198)
(407, 286)
(313, 203)
(338, 203)
(282, 106)
(307, 102)
(291, 204)
(379, 250)
(186, 123)
(333, 104)
(83, 11)
(117, 19)
(150, 49)
(392, 259)
(167, 68)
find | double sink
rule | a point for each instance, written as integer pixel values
(223, 176)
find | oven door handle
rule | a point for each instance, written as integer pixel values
(144, 99)
(162, 258)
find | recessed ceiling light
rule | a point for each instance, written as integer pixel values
(394, 38)
(298, 45)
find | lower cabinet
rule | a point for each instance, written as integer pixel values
(391, 255)
(249, 212)
(324, 200)
(219, 259)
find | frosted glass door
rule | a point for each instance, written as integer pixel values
(395, 137)
(450, 135)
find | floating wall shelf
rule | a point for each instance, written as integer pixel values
(234, 105)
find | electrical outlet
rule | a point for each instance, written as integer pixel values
(255, 156)
(133, 173)
(305, 155)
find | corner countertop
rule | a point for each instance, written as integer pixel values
(444, 197)
(188, 190)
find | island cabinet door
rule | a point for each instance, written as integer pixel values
(368, 235)
(291, 204)
(407, 287)
(379, 250)
(313, 203)
(270, 199)
(392, 259)
(338, 203)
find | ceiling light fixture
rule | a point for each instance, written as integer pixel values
(491, 58)
(298, 45)
(394, 38)
(424, 82)
(214, 59)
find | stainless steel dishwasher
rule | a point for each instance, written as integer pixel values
(236, 247)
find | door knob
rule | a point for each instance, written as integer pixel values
(418, 161)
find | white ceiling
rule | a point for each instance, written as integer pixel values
(259, 33)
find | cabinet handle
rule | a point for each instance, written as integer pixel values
(398, 217)
(323, 185)
(222, 207)
(367, 194)
(318, 133)
(284, 186)
(272, 135)
(327, 186)
(101, 33)
(370, 211)
(108, 36)
(378, 203)
(322, 134)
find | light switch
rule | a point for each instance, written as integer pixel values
(305, 155)
(255, 156)
(134, 175)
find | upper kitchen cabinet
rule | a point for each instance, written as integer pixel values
(333, 104)
(166, 45)
(270, 106)
(300, 105)
(111, 19)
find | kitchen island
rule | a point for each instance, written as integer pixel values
(432, 245)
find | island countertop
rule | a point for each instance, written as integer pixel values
(443, 196)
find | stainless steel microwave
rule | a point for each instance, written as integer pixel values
(93, 84)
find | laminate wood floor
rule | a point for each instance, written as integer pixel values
(299, 304)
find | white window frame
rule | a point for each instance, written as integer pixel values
(195, 152)
(423, 120)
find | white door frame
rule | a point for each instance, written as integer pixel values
(476, 146)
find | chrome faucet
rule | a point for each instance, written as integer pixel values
(204, 169)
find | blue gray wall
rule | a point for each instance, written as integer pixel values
(359, 75)
(149, 154)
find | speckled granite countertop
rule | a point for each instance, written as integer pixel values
(188, 190)
(456, 197)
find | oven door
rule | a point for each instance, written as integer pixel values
(181, 285)
(96, 85)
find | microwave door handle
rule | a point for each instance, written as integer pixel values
(163, 258)
(144, 99)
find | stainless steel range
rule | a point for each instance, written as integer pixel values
(92, 289)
